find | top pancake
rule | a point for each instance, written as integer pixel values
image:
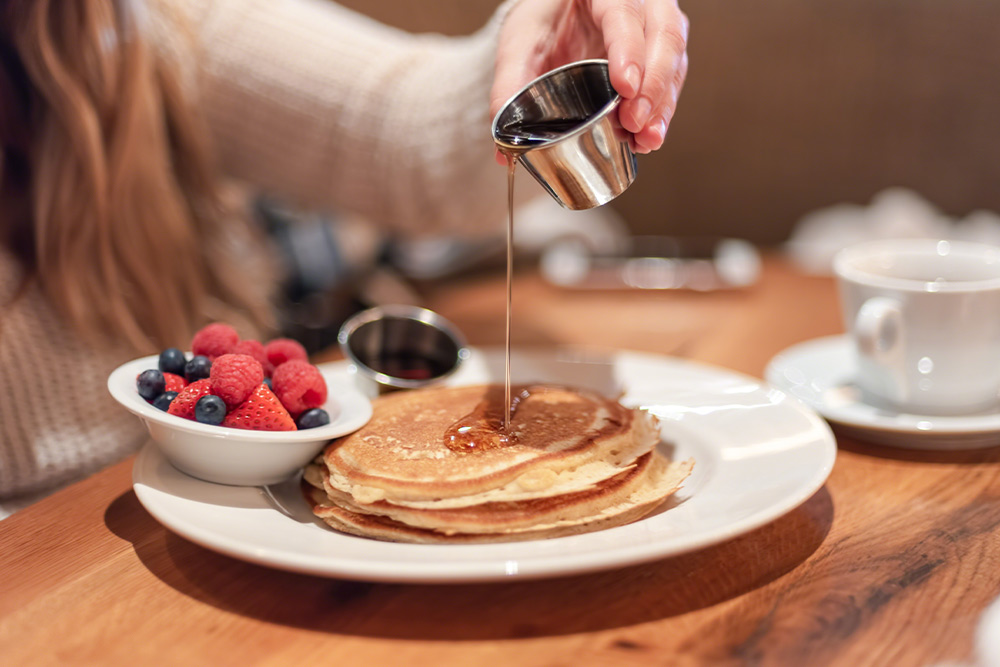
(565, 440)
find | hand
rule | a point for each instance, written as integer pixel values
(645, 42)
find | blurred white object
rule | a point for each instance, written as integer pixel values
(988, 637)
(892, 213)
(593, 249)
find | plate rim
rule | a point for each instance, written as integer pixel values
(539, 566)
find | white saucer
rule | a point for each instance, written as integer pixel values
(820, 373)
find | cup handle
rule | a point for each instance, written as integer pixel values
(878, 328)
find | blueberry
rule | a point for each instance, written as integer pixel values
(197, 369)
(172, 360)
(313, 418)
(150, 384)
(164, 400)
(267, 381)
(210, 410)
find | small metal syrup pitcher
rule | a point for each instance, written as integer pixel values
(564, 129)
(401, 347)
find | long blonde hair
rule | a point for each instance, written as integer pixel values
(108, 190)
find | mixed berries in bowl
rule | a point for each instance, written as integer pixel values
(238, 411)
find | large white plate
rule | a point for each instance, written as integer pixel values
(758, 454)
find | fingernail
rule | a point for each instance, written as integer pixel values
(633, 77)
(642, 109)
(660, 128)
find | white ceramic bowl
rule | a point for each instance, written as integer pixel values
(237, 456)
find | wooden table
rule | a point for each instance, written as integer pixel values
(890, 563)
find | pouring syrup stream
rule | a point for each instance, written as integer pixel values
(488, 426)
(511, 164)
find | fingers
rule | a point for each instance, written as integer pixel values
(622, 24)
(510, 74)
(519, 57)
(652, 135)
(645, 42)
(648, 114)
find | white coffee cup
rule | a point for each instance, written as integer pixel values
(924, 315)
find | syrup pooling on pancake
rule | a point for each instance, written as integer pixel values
(576, 461)
(484, 428)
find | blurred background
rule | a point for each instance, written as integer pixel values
(792, 106)
(803, 126)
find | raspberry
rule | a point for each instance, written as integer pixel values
(214, 340)
(183, 404)
(234, 377)
(281, 350)
(299, 386)
(255, 349)
(261, 412)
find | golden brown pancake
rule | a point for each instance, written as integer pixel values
(430, 466)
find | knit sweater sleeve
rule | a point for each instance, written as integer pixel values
(57, 421)
(331, 109)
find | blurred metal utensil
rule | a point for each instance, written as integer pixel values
(564, 129)
(653, 263)
(401, 347)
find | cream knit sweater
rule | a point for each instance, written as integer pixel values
(305, 99)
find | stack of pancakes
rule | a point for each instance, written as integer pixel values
(433, 466)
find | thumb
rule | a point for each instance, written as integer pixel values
(522, 48)
(513, 70)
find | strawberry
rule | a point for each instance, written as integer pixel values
(261, 412)
(174, 382)
(183, 404)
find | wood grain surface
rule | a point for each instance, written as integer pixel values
(890, 563)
